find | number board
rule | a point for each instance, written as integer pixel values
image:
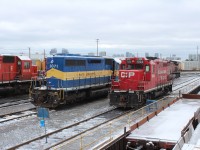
(139, 61)
(128, 61)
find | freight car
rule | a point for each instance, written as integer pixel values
(15, 74)
(176, 68)
(141, 79)
(71, 78)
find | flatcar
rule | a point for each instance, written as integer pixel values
(141, 79)
(71, 78)
(15, 74)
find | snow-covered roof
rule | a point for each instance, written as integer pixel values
(20, 57)
(118, 60)
(6, 54)
(24, 57)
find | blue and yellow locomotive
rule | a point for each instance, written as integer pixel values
(71, 78)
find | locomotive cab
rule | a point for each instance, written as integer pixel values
(133, 72)
(15, 74)
(24, 68)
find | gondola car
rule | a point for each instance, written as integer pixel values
(71, 78)
(141, 79)
(15, 74)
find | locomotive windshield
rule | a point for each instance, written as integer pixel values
(138, 66)
(132, 67)
(8, 59)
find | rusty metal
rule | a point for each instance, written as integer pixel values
(120, 142)
(191, 96)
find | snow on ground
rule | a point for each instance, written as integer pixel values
(15, 108)
(23, 130)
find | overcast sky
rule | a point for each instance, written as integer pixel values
(138, 26)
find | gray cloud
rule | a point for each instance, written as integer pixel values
(136, 25)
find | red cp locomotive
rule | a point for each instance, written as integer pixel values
(141, 79)
(15, 74)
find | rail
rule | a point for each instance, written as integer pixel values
(107, 133)
(187, 88)
(63, 128)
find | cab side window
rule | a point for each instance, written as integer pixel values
(147, 68)
(26, 65)
(123, 67)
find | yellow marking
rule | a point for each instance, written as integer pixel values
(116, 73)
(76, 75)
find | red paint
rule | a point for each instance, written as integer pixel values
(13, 68)
(134, 74)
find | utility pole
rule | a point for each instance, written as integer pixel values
(197, 58)
(44, 53)
(197, 53)
(97, 45)
(29, 52)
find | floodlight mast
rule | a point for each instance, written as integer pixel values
(97, 45)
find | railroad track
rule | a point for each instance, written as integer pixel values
(66, 144)
(76, 129)
(78, 126)
(16, 102)
(13, 99)
(184, 84)
(17, 115)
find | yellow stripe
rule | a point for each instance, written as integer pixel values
(76, 75)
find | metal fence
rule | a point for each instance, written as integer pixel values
(110, 131)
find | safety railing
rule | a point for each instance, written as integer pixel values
(110, 131)
(113, 129)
